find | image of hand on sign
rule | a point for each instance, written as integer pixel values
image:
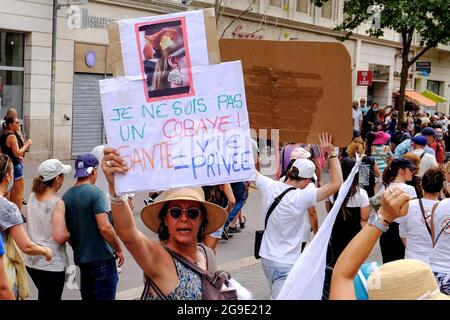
(165, 59)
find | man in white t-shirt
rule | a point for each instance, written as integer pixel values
(427, 161)
(281, 244)
(357, 116)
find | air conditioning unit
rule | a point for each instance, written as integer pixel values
(78, 2)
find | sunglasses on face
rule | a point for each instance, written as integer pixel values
(192, 213)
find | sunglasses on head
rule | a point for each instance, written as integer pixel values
(192, 213)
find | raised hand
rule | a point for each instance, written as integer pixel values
(112, 163)
(394, 203)
(326, 142)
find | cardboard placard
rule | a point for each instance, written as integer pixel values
(301, 87)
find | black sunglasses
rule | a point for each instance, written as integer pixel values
(192, 213)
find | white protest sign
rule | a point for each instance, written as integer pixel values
(203, 139)
(144, 40)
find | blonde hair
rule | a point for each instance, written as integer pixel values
(413, 158)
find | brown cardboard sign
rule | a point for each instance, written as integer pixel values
(300, 87)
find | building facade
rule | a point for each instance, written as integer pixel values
(292, 20)
(73, 124)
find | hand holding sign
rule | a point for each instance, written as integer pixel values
(112, 163)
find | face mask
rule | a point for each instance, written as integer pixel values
(9, 187)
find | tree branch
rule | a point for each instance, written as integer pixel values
(421, 53)
(238, 17)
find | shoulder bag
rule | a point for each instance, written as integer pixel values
(260, 233)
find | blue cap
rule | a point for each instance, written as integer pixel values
(85, 164)
(428, 131)
(420, 140)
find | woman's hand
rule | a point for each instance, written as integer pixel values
(111, 164)
(325, 142)
(394, 203)
(29, 142)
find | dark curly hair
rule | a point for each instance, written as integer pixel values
(163, 231)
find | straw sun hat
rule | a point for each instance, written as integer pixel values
(216, 215)
(405, 279)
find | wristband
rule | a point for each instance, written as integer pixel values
(118, 199)
(331, 157)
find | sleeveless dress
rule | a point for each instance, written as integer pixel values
(189, 284)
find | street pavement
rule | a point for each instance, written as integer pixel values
(234, 255)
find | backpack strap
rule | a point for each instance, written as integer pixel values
(275, 203)
(421, 156)
(422, 210)
(210, 258)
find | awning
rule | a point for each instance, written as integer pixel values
(419, 99)
(433, 96)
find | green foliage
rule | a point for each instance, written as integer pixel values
(429, 19)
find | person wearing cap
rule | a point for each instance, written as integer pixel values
(92, 237)
(427, 161)
(396, 174)
(380, 151)
(46, 226)
(282, 240)
(181, 217)
(405, 279)
(311, 222)
(429, 135)
(12, 228)
(414, 227)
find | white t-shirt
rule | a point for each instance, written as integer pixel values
(357, 117)
(427, 161)
(359, 200)
(440, 254)
(284, 233)
(413, 228)
(407, 188)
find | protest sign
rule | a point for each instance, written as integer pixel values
(183, 141)
(135, 43)
(301, 87)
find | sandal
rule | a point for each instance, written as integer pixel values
(242, 224)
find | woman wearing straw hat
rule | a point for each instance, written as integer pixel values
(405, 279)
(181, 218)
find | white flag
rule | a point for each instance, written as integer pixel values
(305, 280)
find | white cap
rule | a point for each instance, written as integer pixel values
(300, 153)
(306, 168)
(50, 169)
